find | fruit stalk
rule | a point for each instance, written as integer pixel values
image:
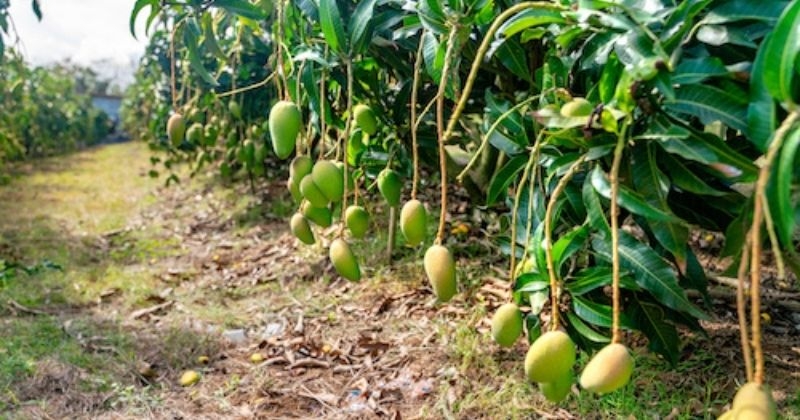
(173, 89)
(515, 214)
(414, 99)
(741, 311)
(279, 50)
(614, 179)
(759, 205)
(348, 126)
(322, 123)
(548, 232)
(448, 57)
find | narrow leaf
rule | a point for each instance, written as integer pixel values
(503, 178)
(711, 104)
(649, 318)
(241, 8)
(332, 25)
(628, 199)
(359, 23)
(781, 49)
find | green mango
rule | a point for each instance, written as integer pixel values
(414, 222)
(357, 220)
(344, 261)
(390, 186)
(329, 179)
(176, 128)
(365, 119)
(301, 229)
(441, 271)
(285, 122)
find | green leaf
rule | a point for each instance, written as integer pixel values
(761, 109)
(332, 25)
(568, 244)
(241, 8)
(718, 35)
(37, 10)
(628, 199)
(654, 186)
(698, 70)
(781, 206)
(210, 38)
(137, 7)
(190, 39)
(649, 318)
(586, 331)
(711, 104)
(649, 271)
(530, 18)
(683, 178)
(514, 57)
(592, 278)
(359, 23)
(781, 49)
(596, 313)
(594, 209)
(738, 10)
(503, 178)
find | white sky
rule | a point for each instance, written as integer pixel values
(94, 33)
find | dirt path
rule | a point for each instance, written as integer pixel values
(155, 281)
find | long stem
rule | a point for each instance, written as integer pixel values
(322, 105)
(448, 57)
(548, 235)
(755, 238)
(741, 311)
(255, 85)
(414, 98)
(347, 127)
(481, 53)
(279, 48)
(172, 69)
(515, 214)
(614, 179)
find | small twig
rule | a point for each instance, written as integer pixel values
(148, 311)
(309, 363)
(414, 99)
(15, 305)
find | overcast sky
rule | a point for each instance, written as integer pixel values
(87, 32)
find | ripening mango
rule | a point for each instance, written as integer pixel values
(610, 369)
(320, 216)
(329, 179)
(300, 167)
(285, 121)
(365, 119)
(577, 107)
(390, 186)
(312, 193)
(176, 128)
(550, 357)
(301, 229)
(507, 324)
(557, 390)
(754, 401)
(344, 261)
(414, 222)
(441, 271)
(294, 189)
(357, 220)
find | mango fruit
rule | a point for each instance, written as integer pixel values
(344, 261)
(365, 119)
(414, 222)
(610, 369)
(189, 378)
(550, 357)
(194, 134)
(557, 390)
(312, 193)
(300, 167)
(235, 109)
(390, 186)
(357, 220)
(577, 107)
(301, 229)
(507, 324)
(754, 401)
(329, 179)
(176, 128)
(285, 121)
(320, 216)
(294, 189)
(441, 271)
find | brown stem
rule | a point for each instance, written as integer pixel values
(322, 123)
(174, 90)
(414, 98)
(448, 57)
(741, 312)
(614, 179)
(347, 127)
(548, 234)
(515, 214)
(755, 243)
(279, 49)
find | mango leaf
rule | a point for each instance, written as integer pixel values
(654, 186)
(781, 49)
(586, 331)
(650, 271)
(514, 58)
(628, 199)
(190, 38)
(592, 278)
(568, 244)
(359, 25)
(594, 209)
(503, 178)
(711, 104)
(137, 7)
(738, 10)
(210, 38)
(597, 314)
(761, 109)
(698, 70)
(37, 10)
(718, 35)
(241, 8)
(650, 319)
(332, 25)
(530, 18)
(780, 188)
